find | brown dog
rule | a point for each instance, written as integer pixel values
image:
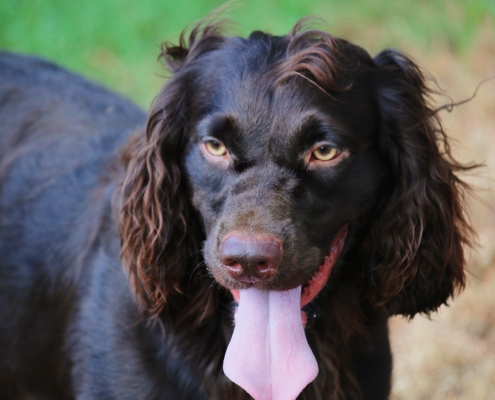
(295, 174)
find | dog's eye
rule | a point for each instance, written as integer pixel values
(215, 148)
(325, 153)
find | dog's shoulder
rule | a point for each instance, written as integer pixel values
(30, 74)
(60, 139)
(46, 109)
(40, 92)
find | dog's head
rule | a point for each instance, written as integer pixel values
(281, 160)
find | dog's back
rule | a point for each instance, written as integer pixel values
(60, 137)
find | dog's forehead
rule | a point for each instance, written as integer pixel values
(267, 113)
(279, 120)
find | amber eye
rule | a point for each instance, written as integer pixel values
(215, 148)
(325, 153)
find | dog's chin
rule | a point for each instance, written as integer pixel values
(309, 289)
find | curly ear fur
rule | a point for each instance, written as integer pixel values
(160, 232)
(419, 234)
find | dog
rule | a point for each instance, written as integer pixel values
(251, 236)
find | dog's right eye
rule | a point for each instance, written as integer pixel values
(215, 148)
(325, 153)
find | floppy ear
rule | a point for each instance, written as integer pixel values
(419, 233)
(160, 232)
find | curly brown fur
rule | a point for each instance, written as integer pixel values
(77, 326)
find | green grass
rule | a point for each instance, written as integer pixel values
(116, 41)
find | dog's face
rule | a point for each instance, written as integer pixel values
(283, 174)
(274, 157)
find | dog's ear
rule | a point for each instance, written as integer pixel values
(161, 233)
(419, 233)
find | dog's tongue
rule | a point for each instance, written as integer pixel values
(268, 355)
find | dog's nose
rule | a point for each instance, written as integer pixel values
(251, 259)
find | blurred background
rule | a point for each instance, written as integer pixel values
(451, 355)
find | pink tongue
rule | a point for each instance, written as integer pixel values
(268, 355)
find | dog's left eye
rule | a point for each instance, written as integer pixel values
(325, 153)
(215, 148)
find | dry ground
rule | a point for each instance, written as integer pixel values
(452, 354)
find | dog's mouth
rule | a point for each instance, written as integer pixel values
(313, 286)
(268, 355)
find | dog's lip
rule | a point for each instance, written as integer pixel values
(318, 281)
(314, 286)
